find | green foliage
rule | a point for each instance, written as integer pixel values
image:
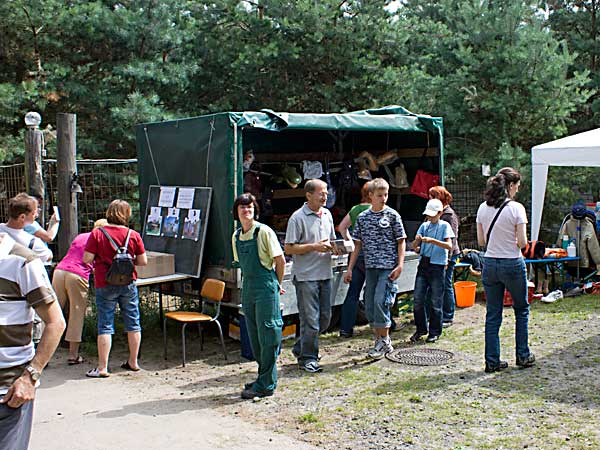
(501, 79)
(504, 75)
(575, 22)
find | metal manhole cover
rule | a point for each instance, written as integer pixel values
(420, 356)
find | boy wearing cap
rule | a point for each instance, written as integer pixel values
(379, 232)
(432, 242)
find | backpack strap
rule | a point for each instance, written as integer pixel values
(112, 241)
(127, 239)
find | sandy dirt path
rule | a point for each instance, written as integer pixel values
(135, 411)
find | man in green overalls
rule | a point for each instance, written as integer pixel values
(257, 249)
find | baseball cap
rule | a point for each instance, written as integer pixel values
(433, 207)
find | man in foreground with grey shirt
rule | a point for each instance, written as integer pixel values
(308, 239)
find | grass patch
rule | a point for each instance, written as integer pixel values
(550, 406)
(308, 418)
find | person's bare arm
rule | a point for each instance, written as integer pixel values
(53, 226)
(88, 257)
(43, 235)
(352, 261)
(445, 244)
(343, 227)
(50, 234)
(522, 235)
(279, 271)
(141, 260)
(400, 267)
(480, 235)
(23, 389)
(323, 246)
(416, 244)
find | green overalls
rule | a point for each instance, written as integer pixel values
(260, 304)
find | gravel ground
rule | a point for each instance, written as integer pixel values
(359, 404)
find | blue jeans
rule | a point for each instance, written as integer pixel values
(430, 280)
(449, 301)
(106, 303)
(314, 311)
(380, 293)
(500, 274)
(350, 306)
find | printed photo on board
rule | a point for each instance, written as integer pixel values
(154, 222)
(191, 225)
(171, 224)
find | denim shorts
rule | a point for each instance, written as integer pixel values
(129, 304)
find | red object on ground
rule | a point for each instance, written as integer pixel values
(508, 301)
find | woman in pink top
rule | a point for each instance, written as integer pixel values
(71, 283)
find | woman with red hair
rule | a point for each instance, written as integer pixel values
(448, 215)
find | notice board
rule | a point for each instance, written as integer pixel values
(175, 222)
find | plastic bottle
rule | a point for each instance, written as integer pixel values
(571, 250)
(565, 241)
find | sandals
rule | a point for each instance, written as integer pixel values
(95, 373)
(126, 366)
(75, 361)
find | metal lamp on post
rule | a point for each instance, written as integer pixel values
(34, 145)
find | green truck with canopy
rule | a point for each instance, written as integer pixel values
(268, 153)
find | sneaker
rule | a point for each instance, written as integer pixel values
(417, 336)
(447, 324)
(249, 394)
(346, 334)
(552, 296)
(526, 362)
(382, 346)
(311, 367)
(490, 369)
(431, 339)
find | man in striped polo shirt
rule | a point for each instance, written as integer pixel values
(24, 286)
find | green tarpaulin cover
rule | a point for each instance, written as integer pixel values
(208, 151)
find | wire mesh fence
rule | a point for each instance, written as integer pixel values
(468, 195)
(101, 180)
(12, 181)
(104, 180)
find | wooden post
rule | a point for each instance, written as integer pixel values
(34, 182)
(66, 168)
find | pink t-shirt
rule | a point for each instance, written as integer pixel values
(73, 260)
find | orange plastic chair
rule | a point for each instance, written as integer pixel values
(211, 294)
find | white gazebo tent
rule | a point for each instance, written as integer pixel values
(581, 149)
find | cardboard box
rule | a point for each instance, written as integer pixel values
(158, 264)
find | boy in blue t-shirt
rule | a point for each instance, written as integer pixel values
(379, 232)
(432, 242)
